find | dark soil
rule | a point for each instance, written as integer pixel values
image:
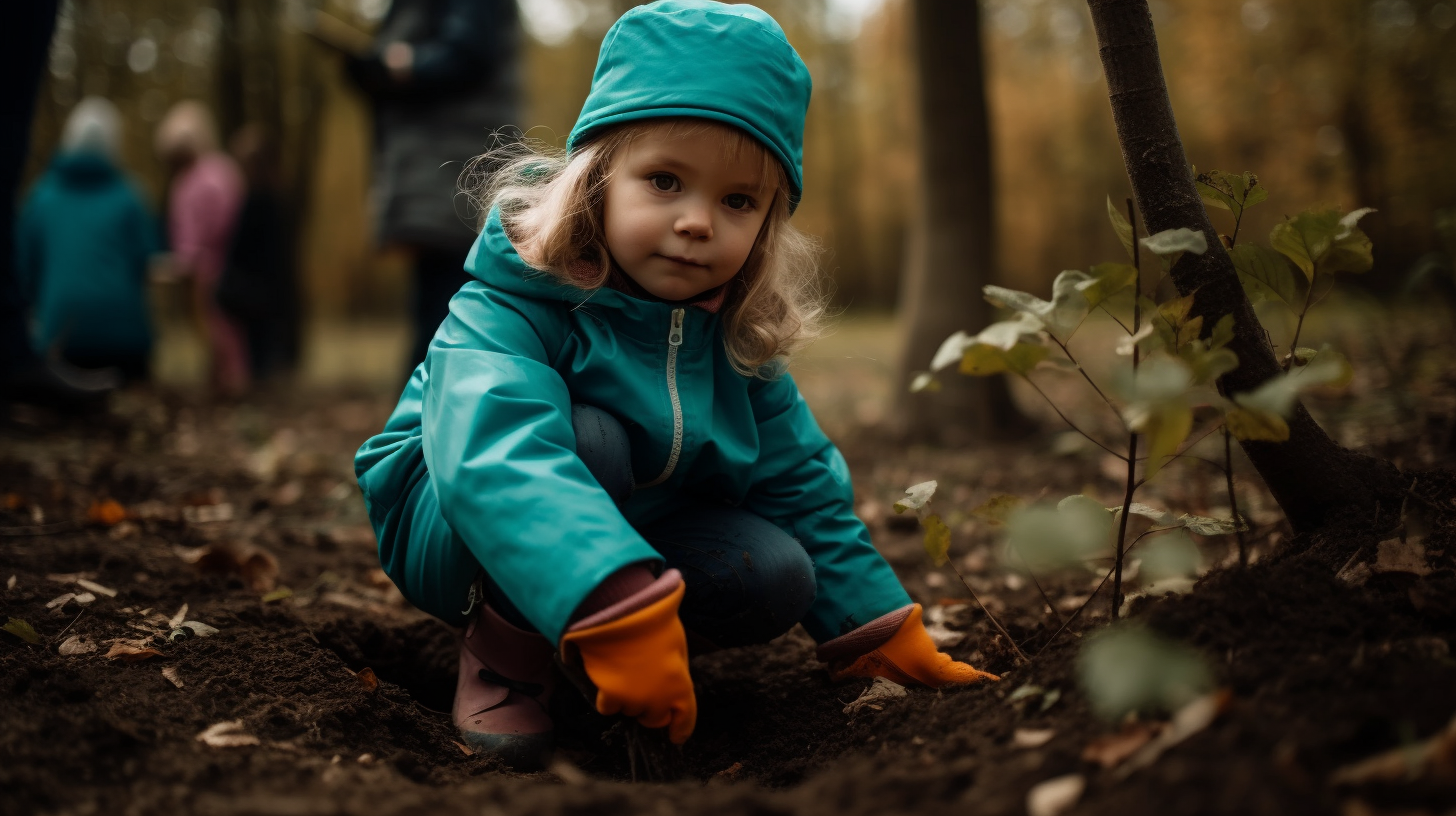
(1321, 674)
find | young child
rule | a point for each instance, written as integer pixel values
(601, 453)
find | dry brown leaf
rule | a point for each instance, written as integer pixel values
(86, 583)
(176, 620)
(1394, 555)
(1055, 796)
(1032, 737)
(255, 565)
(1434, 759)
(108, 512)
(878, 692)
(464, 749)
(131, 654)
(1187, 721)
(367, 677)
(1111, 749)
(60, 600)
(76, 645)
(171, 674)
(730, 773)
(228, 734)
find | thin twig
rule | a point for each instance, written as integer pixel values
(1069, 422)
(1088, 602)
(1132, 438)
(1103, 307)
(68, 626)
(1037, 584)
(1228, 472)
(989, 616)
(1085, 375)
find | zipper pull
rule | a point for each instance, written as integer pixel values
(477, 594)
(674, 335)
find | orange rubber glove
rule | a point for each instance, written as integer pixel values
(639, 663)
(910, 657)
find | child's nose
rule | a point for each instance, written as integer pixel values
(695, 222)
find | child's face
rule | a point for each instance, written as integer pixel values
(681, 213)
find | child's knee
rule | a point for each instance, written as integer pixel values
(601, 443)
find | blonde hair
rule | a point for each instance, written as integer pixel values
(551, 206)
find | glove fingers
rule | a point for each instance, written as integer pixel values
(683, 723)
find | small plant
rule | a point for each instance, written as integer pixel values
(1173, 361)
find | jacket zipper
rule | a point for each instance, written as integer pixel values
(674, 340)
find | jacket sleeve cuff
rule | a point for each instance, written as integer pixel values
(865, 639)
(664, 586)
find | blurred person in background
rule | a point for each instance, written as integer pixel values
(258, 287)
(204, 200)
(83, 243)
(24, 376)
(443, 77)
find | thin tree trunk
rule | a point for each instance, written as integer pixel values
(952, 246)
(1310, 476)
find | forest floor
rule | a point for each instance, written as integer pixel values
(247, 515)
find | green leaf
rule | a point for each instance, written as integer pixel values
(277, 595)
(1160, 517)
(937, 540)
(1130, 669)
(1323, 241)
(1234, 192)
(1145, 338)
(1206, 525)
(997, 509)
(1325, 367)
(1265, 274)
(999, 347)
(924, 381)
(1169, 555)
(1223, 333)
(1207, 364)
(22, 630)
(917, 496)
(1248, 425)
(1048, 538)
(1121, 226)
(1169, 245)
(1107, 280)
(1176, 311)
(1189, 331)
(1279, 394)
(1061, 315)
(1158, 407)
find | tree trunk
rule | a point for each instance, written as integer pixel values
(952, 246)
(1310, 476)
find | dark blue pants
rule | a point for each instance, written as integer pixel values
(747, 580)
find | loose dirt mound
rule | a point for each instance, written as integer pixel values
(1321, 673)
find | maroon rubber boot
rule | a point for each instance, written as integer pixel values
(501, 697)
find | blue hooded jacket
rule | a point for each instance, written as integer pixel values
(486, 418)
(82, 242)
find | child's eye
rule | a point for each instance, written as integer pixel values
(738, 201)
(664, 182)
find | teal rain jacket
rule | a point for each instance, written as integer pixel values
(480, 455)
(82, 243)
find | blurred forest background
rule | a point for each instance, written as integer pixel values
(1346, 102)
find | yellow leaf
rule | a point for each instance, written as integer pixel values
(1252, 424)
(1167, 426)
(937, 540)
(998, 508)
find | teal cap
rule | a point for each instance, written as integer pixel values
(697, 58)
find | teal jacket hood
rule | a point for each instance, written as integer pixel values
(478, 461)
(696, 58)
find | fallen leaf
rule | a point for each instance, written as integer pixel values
(255, 565)
(1394, 555)
(108, 512)
(1032, 737)
(131, 653)
(730, 773)
(69, 577)
(568, 773)
(86, 583)
(171, 674)
(942, 636)
(228, 734)
(365, 759)
(1111, 750)
(76, 645)
(176, 620)
(1187, 721)
(1434, 759)
(199, 628)
(1055, 796)
(208, 513)
(22, 630)
(367, 677)
(10, 584)
(464, 749)
(878, 691)
(277, 595)
(1355, 574)
(60, 600)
